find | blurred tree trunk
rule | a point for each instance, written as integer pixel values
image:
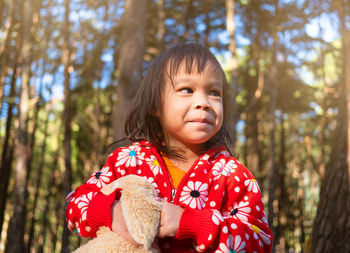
(131, 52)
(282, 196)
(207, 9)
(3, 46)
(272, 129)
(32, 127)
(253, 149)
(186, 19)
(15, 236)
(331, 228)
(233, 64)
(161, 25)
(7, 149)
(67, 123)
(49, 197)
(97, 130)
(38, 181)
(252, 114)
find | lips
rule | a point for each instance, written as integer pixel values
(202, 120)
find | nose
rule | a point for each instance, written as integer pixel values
(201, 102)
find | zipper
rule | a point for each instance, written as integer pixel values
(173, 192)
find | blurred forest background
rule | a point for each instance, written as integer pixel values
(69, 69)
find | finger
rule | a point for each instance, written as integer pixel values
(160, 232)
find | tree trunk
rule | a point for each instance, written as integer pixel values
(6, 157)
(331, 229)
(252, 115)
(17, 224)
(97, 131)
(53, 197)
(130, 62)
(272, 129)
(282, 196)
(186, 19)
(67, 122)
(3, 46)
(38, 182)
(32, 131)
(233, 84)
(161, 25)
(207, 10)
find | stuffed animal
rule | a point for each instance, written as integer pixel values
(141, 211)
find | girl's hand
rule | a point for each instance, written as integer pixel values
(169, 220)
(118, 223)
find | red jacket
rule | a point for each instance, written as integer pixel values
(221, 198)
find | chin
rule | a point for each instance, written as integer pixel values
(199, 141)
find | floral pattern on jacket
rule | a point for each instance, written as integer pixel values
(223, 209)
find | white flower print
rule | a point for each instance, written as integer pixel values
(205, 157)
(217, 168)
(83, 203)
(194, 194)
(260, 235)
(74, 227)
(100, 178)
(229, 168)
(264, 219)
(154, 165)
(130, 157)
(252, 185)
(239, 211)
(216, 217)
(237, 245)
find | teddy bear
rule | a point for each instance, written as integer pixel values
(141, 210)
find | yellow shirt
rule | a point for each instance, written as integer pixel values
(176, 174)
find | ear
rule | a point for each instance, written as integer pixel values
(141, 211)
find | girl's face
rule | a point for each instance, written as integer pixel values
(192, 111)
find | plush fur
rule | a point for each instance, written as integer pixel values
(141, 211)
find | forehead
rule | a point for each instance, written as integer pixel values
(175, 70)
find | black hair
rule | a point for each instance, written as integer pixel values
(143, 124)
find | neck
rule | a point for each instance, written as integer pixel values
(190, 154)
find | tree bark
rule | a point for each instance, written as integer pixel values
(130, 62)
(331, 228)
(3, 45)
(17, 224)
(49, 198)
(67, 123)
(38, 182)
(161, 25)
(186, 19)
(6, 157)
(272, 129)
(233, 84)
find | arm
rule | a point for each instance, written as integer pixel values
(240, 222)
(87, 207)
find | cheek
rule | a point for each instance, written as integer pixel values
(219, 111)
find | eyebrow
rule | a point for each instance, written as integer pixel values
(187, 79)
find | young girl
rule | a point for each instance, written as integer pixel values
(211, 201)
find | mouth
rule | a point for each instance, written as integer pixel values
(202, 120)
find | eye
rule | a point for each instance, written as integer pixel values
(186, 90)
(215, 93)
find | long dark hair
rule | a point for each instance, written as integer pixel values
(142, 123)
